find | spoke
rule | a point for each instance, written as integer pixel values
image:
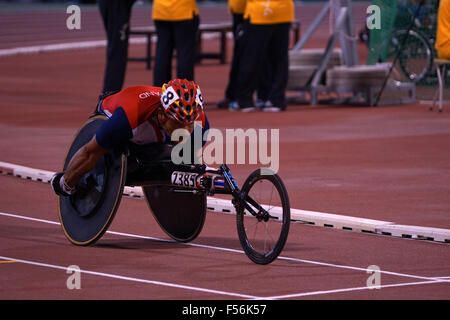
(268, 233)
(264, 247)
(254, 233)
(250, 227)
(271, 193)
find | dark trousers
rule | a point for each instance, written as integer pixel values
(263, 83)
(178, 35)
(265, 47)
(116, 19)
(238, 33)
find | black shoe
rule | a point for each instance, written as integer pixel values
(56, 185)
(270, 107)
(224, 103)
(234, 106)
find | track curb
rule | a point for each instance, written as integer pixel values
(327, 220)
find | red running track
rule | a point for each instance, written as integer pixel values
(387, 163)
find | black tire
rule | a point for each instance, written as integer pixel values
(280, 220)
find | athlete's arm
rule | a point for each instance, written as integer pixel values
(83, 161)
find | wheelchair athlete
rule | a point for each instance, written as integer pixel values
(138, 114)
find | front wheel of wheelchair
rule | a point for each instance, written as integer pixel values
(263, 239)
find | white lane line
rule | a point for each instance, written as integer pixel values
(123, 234)
(119, 277)
(324, 264)
(197, 245)
(28, 218)
(52, 47)
(313, 293)
(340, 266)
(77, 45)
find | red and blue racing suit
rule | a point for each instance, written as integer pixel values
(132, 118)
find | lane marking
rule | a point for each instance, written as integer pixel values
(313, 293)
(29, 218)
(8, 261)
(146, 281)
(197, 245)
(77, 45)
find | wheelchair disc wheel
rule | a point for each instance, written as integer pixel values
(263, 239)
(86, 215)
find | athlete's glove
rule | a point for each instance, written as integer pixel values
(59, 187)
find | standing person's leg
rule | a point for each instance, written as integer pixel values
(254, 46)
(230, 91)
(265, 80)
(185, 33)
(116, 19)
(162, 71)
(278, 53)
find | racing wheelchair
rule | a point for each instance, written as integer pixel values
(176, 195)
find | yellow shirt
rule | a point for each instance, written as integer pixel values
(443, 30)
(269, 11)
(174, 10)
(237, 6)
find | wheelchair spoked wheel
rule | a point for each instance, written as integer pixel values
(261, 238)
(416, 58)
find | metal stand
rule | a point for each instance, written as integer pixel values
(343, 30)
(440, 63)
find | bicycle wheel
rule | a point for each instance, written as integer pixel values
(416, 57)
(264, 234)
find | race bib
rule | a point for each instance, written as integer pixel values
(199, 97)
(168, 97)
(184, 179)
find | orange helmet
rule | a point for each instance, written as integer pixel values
(182, 100)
